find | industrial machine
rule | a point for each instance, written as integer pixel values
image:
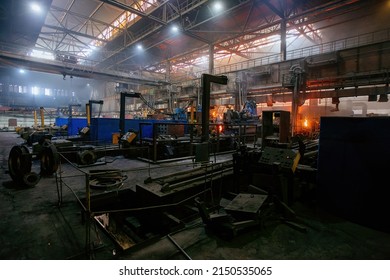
(247, 114)
(275, 129)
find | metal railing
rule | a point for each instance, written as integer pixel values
(351, 42)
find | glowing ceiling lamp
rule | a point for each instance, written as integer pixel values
(175, 29)
(217, 6)
(36, 8)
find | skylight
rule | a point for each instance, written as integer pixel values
(42, 54)
(119, 24)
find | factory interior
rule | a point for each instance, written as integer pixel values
(195, 129)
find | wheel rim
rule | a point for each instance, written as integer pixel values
(19, 162)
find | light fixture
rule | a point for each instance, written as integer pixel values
(36, 8)
(175, 29)
(139, 47)
(217, 6)
(21, 71)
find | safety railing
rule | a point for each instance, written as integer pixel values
(351, 42)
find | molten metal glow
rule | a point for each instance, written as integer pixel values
(305, 123)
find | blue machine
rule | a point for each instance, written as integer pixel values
(180, 114)
(102, 129)
(74, 124)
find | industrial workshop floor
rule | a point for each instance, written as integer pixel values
(35, 226)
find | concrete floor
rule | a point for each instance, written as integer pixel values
(37, 225)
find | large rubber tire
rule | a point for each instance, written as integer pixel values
(19, 162)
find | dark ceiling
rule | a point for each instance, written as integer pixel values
(19, 28)
(70, 27)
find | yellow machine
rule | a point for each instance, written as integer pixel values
(128, 137)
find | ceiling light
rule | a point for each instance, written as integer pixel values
(175, 28)
(35, 7)
(21, 71)
(139, 47)
(218, 6)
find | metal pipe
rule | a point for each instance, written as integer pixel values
(154, 142)
(42, 116)
(88, 108)
(35, 118)
(88, 112)
(88, 216)
(192, 112)
(296, 74)
(179, 247)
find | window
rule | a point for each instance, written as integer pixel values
(35, 90)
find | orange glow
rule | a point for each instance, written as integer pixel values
(220, 128)
(305, 123)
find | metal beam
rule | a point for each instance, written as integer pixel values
(154, 29)
(68, 31)
(135, 11)
(207, 79)
(71, 69)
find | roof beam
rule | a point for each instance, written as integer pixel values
(153, 30)
(68, 31)
(135, 11)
